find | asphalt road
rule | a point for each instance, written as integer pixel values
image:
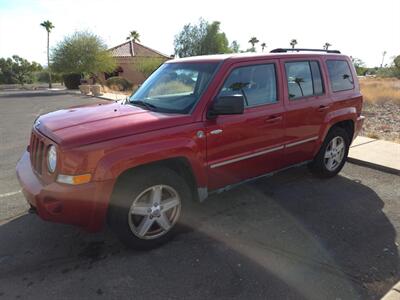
(290, 236)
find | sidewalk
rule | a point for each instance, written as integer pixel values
(377, 154)
(393, 294)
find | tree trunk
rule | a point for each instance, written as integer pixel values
(48, 58)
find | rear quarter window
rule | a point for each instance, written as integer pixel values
(340, 76)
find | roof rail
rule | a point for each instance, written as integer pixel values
(282, 50)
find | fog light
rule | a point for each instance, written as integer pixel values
(74, 179)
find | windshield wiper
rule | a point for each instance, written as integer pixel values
(145, 104)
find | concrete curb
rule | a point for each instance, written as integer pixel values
(376, 154)
(374, 166)
(393, 294)
(97, 97)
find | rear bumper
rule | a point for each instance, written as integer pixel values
(358, 126)
(81, 205)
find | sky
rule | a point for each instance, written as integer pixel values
(358, 28)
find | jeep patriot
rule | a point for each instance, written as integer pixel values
(196, 126)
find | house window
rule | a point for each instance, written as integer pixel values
(114, 73)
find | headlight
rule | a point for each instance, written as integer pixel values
(51, 159)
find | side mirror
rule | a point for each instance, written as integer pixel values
(226, 105)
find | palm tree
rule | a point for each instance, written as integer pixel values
(383, 58)
(253, 41)
(263, 45)
(299, 81)
(48, 26)
(134, 36)
(293, 43)
(326, 46)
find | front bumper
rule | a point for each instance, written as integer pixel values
(81, 205)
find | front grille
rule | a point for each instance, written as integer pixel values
(37, 153)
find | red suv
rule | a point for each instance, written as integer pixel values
(196, 126)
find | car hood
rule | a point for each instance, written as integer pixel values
(95, 123)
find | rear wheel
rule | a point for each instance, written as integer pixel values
(146, 207)
(332, 155)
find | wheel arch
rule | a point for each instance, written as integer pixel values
(180, 165)
(345, 122)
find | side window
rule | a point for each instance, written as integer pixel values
(340, 75)
(299, 79)
(256, 83)
(317, 79)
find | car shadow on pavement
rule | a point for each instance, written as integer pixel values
(289, 236)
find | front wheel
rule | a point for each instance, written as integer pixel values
(146, 207)
(332, 155)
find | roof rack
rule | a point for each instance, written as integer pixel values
(282, 50)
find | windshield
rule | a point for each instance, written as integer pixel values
(174, 87)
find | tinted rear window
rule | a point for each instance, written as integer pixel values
(304, 79)
(340, 75)
(299, 79)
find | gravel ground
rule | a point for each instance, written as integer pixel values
(382, 121)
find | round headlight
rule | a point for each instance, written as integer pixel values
(51, 159)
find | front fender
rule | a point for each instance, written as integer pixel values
(141, 153)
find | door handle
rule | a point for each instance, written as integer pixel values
(216, 131)
(323, 108)
(273, 119)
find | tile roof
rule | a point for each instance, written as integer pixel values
(131, 49)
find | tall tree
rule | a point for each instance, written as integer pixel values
(359, 65)
(200, 39)
(48, 26)
(235, 47)
(383, 58)
(134, 36)
(396, 62)
(263, 45)
(293, 43)
(253, 41)
(215, 41)
(17, 70)
(326, 46)
(82, 53)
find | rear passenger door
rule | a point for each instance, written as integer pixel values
(307, 104)
(250, 144)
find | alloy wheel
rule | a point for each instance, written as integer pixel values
(154, 212)
(334, 153)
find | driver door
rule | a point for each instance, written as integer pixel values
(248, 145)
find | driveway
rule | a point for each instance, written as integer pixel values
(290, 236)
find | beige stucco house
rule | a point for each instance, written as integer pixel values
(127, 56)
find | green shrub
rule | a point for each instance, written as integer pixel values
(119, 84)
(43, 76)
(72, 81)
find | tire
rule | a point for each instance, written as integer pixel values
(331, 157)
(146, 205)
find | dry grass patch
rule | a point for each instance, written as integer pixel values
(380, 90)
